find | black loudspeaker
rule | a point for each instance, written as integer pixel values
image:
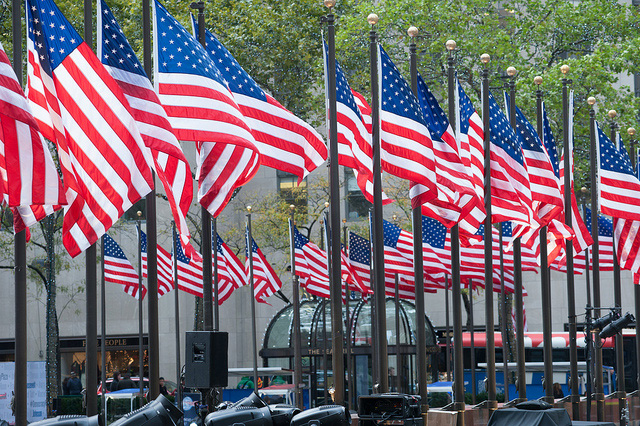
(207, 363)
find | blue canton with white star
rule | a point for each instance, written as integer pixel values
(433, 232)
(550, 143)
(397, 97)
(605, 225)
(235, 76)
(610, 158)
(359, 249)
(391, 234)
(180, 256)
(528, 136)
(178, 51)
(502, 134)
(112, 249)
(343, 90)
(437, 121)
(466, 109)
(143, 242)
(299, 240)
(116, 50)
(53, 36)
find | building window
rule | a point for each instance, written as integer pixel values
(290, 191)
(357, 206)
(132, 213)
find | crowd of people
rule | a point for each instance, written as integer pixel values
(73, 386)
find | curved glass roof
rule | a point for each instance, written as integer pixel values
(315, 321)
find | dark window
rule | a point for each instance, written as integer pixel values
(357, 206)
(290, 191)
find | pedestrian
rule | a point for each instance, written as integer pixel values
(116, 379)
(557, 391)
(74, 385)
(163, 387)
(126, 383)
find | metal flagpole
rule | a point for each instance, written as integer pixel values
(456, 295)
(545, 276)
(595, 254)
(140, 320)
(617, 295)
(152, 239)
(325, 356)
(297, 339)
(588, 317)
(378, 232)
(571, 297)
(447, 327)
(416, 215)
(503, 323)
(337, 334)
(521, 385)
(350, 379)
(103, 326)
(474, 385)
(374, 334)
(176, 299)
(91, 363)
(214, 245)
(636, 288)
(491, 403)
(253, 302)
(20, 254)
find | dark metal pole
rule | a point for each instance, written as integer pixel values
(397, 320)
(140, 306)
(20, 254)
(571, 296)
(337, 332)
(599, 394)
(503, 324)
(545, 276)
(350, 379)
(207, 261)
(325, 355)
(103, 343)
(521, 385)
(416, 215)
(378, 233)
(456, 295)
(254, 336)
(176, 299)
(474, 385)
(297, 340)
(216, 307)
(152, 240)
(91, 291)
(491, 404)
(588, 318)
(617, 296)
(447, 327)
(636, 288)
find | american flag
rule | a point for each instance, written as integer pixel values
(510, 191)
(118, 269)
(471, 137)
(354, 132)
(545, 184)
(105, 164)
(406, 146)
(165, 266)
(201, 108)
(266, 281)
(285, 142)
(618, 185)
(396, 261)
(189, 271)
(605, 240)
(456, 196)
(231, 272)
(311, 265)
(29, 178)
(171, 165)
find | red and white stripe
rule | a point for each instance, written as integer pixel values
(231, 273)
(266, 280)
(165, 270)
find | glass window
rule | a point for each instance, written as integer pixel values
(290, 191)
(357, 206)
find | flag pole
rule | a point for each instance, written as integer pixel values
(491, 403)
(297, 338)
(91, 364)
(348, 326)
(617, 296)
(595, 254)
(335, 278)
(418, 261)
(588, 316)
(253, 302)
(20, 254)
(503, 313)
(140, 306)
(103, 326)
(176, 298)
(545, 276)
(474, 389)
(636, 288)
(571, 296)
(378, 233)
(456, 295)
(447, 327)
(152, 238)
(214, 245)
(517, 265)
